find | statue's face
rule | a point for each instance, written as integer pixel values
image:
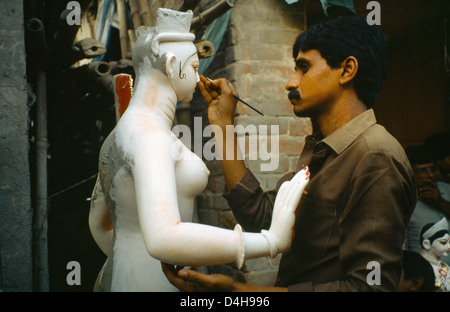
(441, 246)
(187, 79)
(183, 68)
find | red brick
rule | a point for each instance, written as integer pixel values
(290, 145)
(300, 126)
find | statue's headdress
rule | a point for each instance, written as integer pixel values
(438, 226)
(171, 26)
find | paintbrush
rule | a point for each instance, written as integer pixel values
(237, 98)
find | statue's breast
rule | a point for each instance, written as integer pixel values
(191, 174)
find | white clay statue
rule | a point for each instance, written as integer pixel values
(143, 202)
(435, 246)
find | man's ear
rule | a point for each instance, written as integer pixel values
(426, 244)
(170, 64)
(349, 69)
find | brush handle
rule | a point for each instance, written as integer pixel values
(237, 98)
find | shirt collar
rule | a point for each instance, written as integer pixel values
(340, 139)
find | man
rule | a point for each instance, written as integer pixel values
(434, 197)
(417, 274)
(361, 191)
(438, 144)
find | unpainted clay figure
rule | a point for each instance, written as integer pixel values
(435, 246)
(143, 202)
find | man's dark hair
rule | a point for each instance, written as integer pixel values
(414, 265)
(439, 145)
(342, 37)
(418, 155)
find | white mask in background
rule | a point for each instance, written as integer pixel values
(441, 246)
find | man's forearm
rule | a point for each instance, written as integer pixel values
(231, 159)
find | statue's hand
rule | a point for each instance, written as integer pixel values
(285, 207)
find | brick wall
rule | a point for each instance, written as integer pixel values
(256, 55)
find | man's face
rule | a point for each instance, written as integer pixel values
(426, 174)
(314, 84)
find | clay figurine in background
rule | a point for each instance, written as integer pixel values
(436, 245)
(143, 202)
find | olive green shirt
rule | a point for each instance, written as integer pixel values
(359, 200)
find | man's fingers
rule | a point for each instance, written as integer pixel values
(199, 281)
(233, 90)
(220, 86)
(194, 281)
(168, 269)
(172, 275)
(205, 282)
(195, 277)
(205, 91)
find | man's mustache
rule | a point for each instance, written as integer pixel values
(294, 95)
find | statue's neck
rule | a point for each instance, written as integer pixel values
(154, 94)
(430, 257)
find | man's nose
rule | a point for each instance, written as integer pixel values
(293, 83)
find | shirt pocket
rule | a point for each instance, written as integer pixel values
(315, 228)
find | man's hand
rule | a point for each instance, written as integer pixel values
(218, 94)
(431, 195)
(429, 192)
(190, 280)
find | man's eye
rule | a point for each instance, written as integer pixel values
(304, 67)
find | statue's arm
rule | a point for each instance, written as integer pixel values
(172, 241)
(100, 221)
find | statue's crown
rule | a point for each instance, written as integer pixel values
(170, 21)
(438, 226)
(171, 26)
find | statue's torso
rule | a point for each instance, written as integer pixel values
(131, 267)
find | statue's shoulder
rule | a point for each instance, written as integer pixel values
(142, 136)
